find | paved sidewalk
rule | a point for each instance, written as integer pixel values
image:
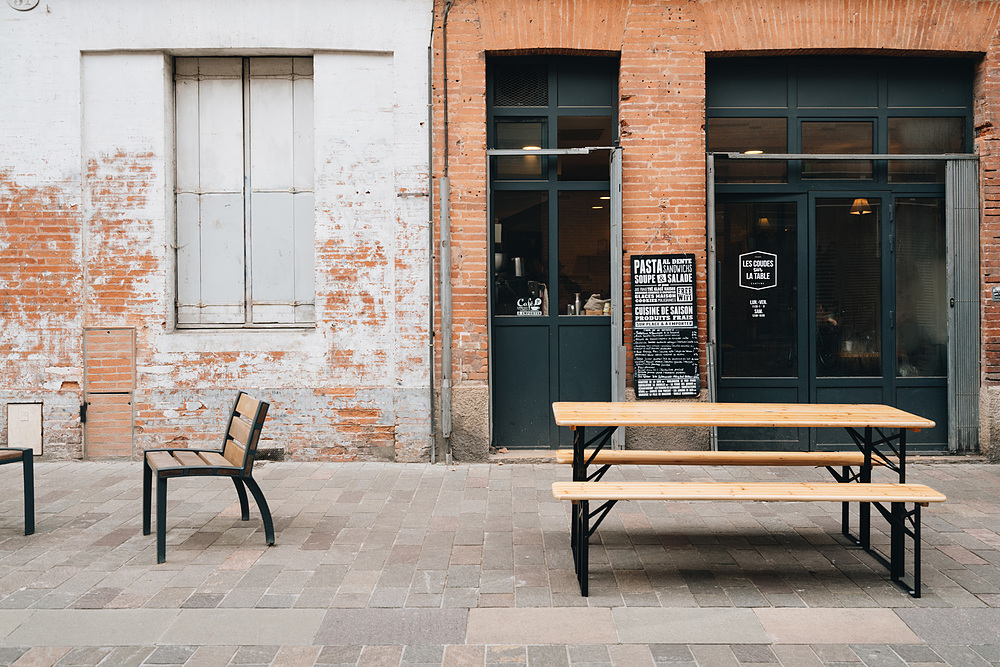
(413, 564)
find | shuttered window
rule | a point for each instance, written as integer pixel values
(244, 133)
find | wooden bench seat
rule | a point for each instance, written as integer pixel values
(234, 460)
(896, 495)
(763, 491)
(716, 458)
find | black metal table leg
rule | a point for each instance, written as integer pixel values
(579, 455)
(579, 475)
(583, 545)
(864, 509)
(916, 551)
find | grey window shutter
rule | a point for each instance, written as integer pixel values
(281, 184)
(211, 270)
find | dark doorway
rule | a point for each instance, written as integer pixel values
(551, 234)
(856, 308)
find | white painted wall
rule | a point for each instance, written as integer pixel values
(87, 117)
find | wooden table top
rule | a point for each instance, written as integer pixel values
(735, 414)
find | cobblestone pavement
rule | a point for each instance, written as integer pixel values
(418, 564)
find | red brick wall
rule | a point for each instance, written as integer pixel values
(987, 103)
(40, 278)
(663, 46)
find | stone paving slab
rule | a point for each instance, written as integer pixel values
(954, 626)
(93, 627)
(835, 626)
(541, 626)
(10, 620)
(392, 626)
(636, 625)
(269, 627)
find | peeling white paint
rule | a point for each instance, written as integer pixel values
(156, 370)
(110, 110)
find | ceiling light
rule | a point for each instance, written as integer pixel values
(860, 206)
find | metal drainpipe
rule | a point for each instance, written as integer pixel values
(430, 232)
(445, 287)
(446, 314)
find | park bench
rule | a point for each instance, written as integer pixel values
(24, 457)
(234, 460)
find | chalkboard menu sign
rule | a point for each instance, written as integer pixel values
(664, 326)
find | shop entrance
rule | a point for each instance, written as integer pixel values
(555, 207)
(843, 214)
(832, 298)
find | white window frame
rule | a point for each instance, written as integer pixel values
(244, 192)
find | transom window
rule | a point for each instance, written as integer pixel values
(837, 105)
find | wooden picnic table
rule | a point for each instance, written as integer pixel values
(878, 431)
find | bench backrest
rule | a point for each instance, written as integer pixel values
(239, 444)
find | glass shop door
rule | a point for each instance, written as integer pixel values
(552, 302)
(833, 298)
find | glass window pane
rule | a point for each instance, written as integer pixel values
(837, 138)
(848, 288)
(758, 331)
(927, 136)
(584, 250)
(520, 253)
(767, 135)
(581, 132)
(921, 288)
(520, 135)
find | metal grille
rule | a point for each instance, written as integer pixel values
(962, 215)
(521, 86)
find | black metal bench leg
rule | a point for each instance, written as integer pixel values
(241, 491)
(265, 512)
(147, 479)
(29, 492)
(845, 508)
(574, 509)
(897, 546)
(583, 544)
(161, 519)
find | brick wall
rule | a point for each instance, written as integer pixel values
(663, 46)
(87, 237)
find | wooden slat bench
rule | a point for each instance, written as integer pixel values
(9, 455)
(762, 491)
(234, 460)
(896, 495)
(852, 466)
(717, 458)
